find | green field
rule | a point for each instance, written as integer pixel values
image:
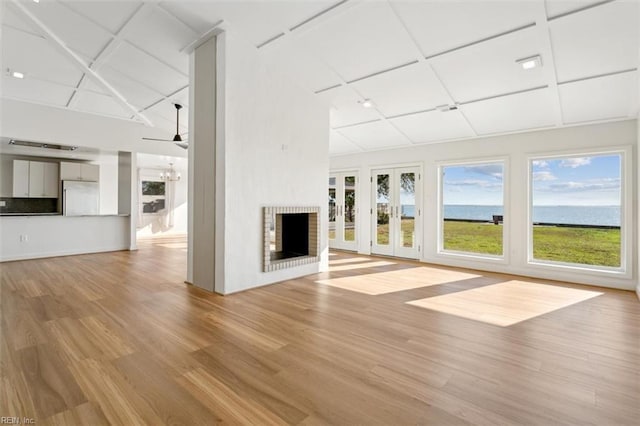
(587, 246)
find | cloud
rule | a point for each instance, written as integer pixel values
(591, 185)
(541, 164)
(493, 170)
(543, 176)
(478, 183)
(575, 162)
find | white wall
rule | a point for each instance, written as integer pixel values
(109, 185)
(48, 236)
(276, 147)
(516, 148)
(23, 120)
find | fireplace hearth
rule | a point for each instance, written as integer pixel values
(290, 237)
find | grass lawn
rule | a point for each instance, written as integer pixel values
(586, 246)
(473, 237)
(349, 234)
(408, 228)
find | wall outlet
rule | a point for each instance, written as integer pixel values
(3, 203)
(24, 238)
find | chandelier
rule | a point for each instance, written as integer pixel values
(170, 175)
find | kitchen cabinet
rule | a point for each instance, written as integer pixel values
(35, 179)
(51, 184)
(20, 178)
(79, 171)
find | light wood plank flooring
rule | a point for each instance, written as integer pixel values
(117, 338)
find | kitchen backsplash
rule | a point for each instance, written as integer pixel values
(29, 205)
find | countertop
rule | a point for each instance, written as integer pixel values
(58, 214)
(30, 214)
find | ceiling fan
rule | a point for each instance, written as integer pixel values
(177, 139)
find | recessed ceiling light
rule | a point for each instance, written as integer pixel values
(366, 103)
(14, 74)
(530, 62)
(36, 1)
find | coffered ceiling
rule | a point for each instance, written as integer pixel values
(128, 59)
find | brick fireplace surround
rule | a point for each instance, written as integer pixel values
(271, 214)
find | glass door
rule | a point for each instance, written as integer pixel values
(382, 215)
(395, 212)
(332, 209)
(343, 210)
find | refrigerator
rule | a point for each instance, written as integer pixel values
(80, 198)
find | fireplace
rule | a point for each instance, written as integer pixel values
(290, 237)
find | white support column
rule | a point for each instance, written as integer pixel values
(128, 193)
(206, 204)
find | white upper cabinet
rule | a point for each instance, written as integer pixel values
(20, 178)
(35, 179)
(90, 172)
(79, 171)
(51, 184)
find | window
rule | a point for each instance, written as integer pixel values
(472, 210)
(153, 196)
(576, 210)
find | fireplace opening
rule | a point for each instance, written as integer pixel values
(291, 236)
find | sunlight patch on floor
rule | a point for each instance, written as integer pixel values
(399, 280)
(361, 265)
(506, 303)
(173, 245)
(350, 260)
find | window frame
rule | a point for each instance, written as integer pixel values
(441, 251)
(626, 213)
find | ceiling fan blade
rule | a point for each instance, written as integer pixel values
(154, 139)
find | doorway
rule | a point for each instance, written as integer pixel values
(396, 215)
(343, 210)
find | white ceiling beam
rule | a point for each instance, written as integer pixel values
(119, 37)
(111, 46)
(310, 23)
(420, 56)
(60, 45)
(50, 105)
(216, 29)
(548, 62)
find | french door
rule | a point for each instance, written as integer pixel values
(395, 213)
(342, 210)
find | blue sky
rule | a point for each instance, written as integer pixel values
(577, 181)
(473, 184)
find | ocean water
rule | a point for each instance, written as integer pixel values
(574, 215)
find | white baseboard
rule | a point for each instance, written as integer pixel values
(28, 256)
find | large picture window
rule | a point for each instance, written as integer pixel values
(576, 210)
(153, 196)
(472, 208)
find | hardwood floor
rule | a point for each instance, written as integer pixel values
(117, 338)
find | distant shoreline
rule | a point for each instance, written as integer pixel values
(561, 225)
